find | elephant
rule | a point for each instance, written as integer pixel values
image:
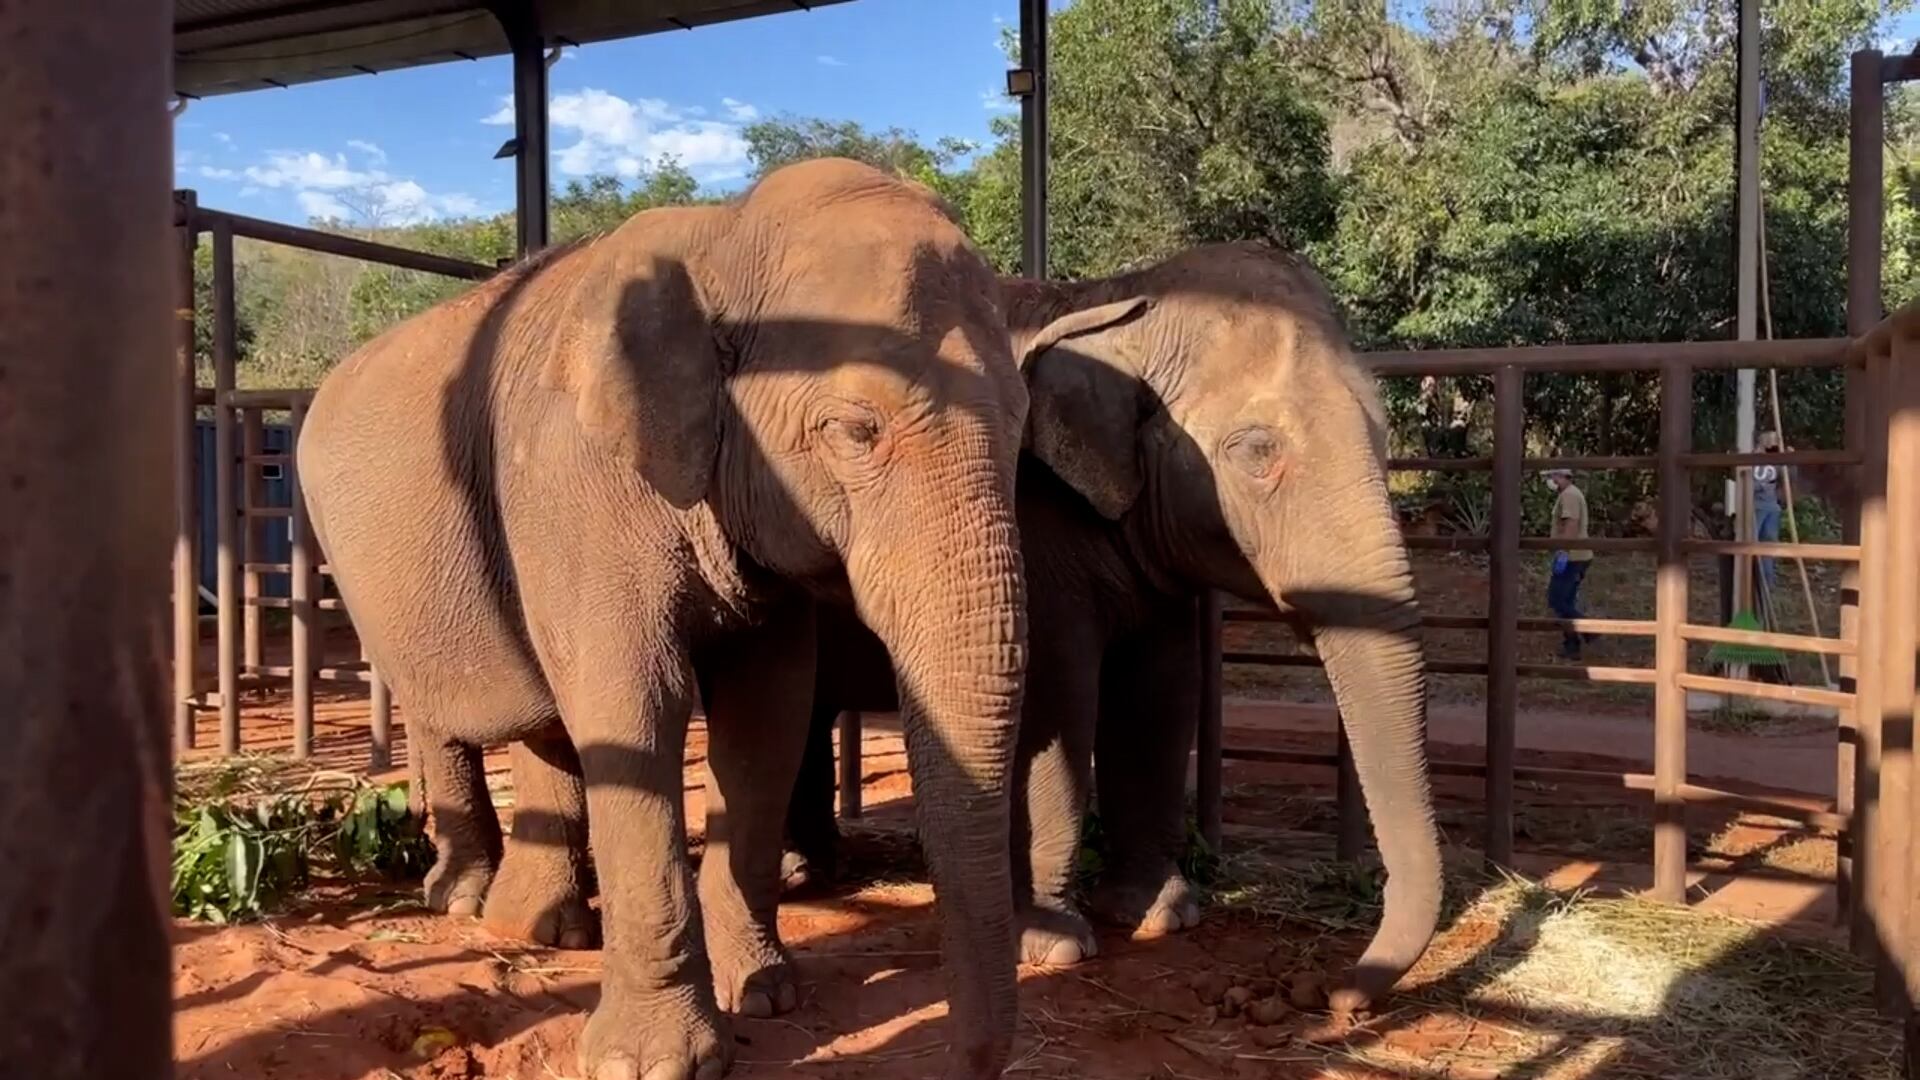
(630, 467)
(1198, 424)
(1217, 435)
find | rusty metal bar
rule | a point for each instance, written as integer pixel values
(1670, 650)
(1872, 816)
(302, 590)
(1207, 793)
(253, 492)
(186, 506)
(1784, 457)
(1602, 544)
(1610, 359)
(266, 399)
(86, 288)
(226, 515)
(1809, 552)
(1445, 543)
(1478, 464)
(1588, 673)
(1785, 806)
(1865, 224)
(1791, 642)
(347, 247)
(1604, 627)
(850, 792)
(1898, 69)
(1503, 609)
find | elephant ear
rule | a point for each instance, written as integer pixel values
(1086, 397)
(643, 365)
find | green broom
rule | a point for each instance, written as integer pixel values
(1736, 660)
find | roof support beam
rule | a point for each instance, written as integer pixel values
(530, 128)
(1029, 83)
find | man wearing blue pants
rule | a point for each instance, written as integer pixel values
(1766, 503)
(1570, 563)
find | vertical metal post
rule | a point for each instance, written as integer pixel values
(1503, 608)
(1865, 177)
(530, 127)
(226, 559)
(1350, 836)
(253, 493)
(1033, 140)
(1208, 740)
(302, 602)
(1670, 651)
(850, 792)
(1747, 273)
(86, 288)
(186, 507)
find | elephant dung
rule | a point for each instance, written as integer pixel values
(1211, 987)
(1267, 1011)
(1307, 991)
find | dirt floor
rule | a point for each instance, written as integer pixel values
(358, 982)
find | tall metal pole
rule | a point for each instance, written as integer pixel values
(1747, 261)
(1033, 139)
(1503, 608)
(186, 507)
(87, 273)
(530, 128)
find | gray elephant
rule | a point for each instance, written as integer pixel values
(558, 503)
(1215, 434)
(1200, 424)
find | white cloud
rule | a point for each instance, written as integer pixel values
(309, 170)
(627, 137)
(371, 150)
(502, 116)
(997, 101)
(212, 172)
(740, 110)
(831, 61)
(223, 137)
(319, 204)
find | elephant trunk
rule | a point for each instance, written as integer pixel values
(1366, 630)
(952, 612)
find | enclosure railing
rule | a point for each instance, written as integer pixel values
(241, 510)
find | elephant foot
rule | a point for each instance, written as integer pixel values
(1151, 905)
(666, 1035)
(804, 873)
(752, 974)
(1055, 936)
(538, 895)
(458, 884)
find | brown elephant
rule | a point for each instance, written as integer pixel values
(1200, 424)
(557, 503)
(1218, 434)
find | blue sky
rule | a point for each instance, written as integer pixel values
(408, 145)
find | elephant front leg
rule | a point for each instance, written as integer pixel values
(656, 1016)
(1051, 785)
(1149, 706)
(466, 830)
(757, 686)
(540, 892)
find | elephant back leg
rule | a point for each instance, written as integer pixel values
(812, 856)
(541, 890)
(1149, 706)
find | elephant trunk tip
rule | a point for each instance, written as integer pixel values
(1400, 942)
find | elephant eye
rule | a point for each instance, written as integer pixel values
(849, 437)
(1255, 451)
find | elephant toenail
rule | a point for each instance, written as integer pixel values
(575, 939)
(710, 1069)
(789, 997)
(464, 906)
(618, 1067)
(755, 1006)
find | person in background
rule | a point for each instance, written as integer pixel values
(1766, 502)
(1569, 563)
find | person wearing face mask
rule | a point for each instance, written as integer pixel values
(1569, 562)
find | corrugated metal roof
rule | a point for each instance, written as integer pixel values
(226, 46)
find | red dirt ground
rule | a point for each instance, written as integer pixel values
(360, 984)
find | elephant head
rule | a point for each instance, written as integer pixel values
(1211, 406)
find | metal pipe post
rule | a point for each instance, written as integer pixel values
(1899, 637)
(253, 493)
(530, 127)
(1503, 608)
(1033, 140)
(186, 507)
(850, 792)
(302, 601)
(1747, 273)
(1209, 739)
(87, 280)
(226, 555)
(1670, 649)
(1865, 429)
